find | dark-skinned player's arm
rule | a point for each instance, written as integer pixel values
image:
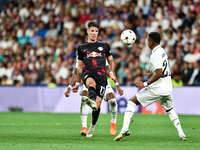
(71, 84)
(79, 76)
(157, 76)
(120, 91)
(112, 67)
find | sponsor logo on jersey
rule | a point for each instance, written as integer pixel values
(86, 76)
(85, 50)
(94, 54)
(100, 48)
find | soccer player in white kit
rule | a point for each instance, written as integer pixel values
(109, 96)
(158, 88)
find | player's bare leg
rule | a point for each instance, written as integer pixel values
(84, 114)
(175, 120)
(129, 112)
(113, 110)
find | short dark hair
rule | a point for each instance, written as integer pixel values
(155, 36)
(93, 24)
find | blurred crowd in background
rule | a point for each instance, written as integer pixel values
(39, 38)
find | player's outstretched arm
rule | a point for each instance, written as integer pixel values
(112, 65)
(79, 76)
(72, 82)
(120, 91)
(157, 76)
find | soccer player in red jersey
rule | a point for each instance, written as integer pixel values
(92, 70)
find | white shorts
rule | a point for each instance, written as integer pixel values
(108, 90)
(83, 89)
(147, 97)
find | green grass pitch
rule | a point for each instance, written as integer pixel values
(54, 131)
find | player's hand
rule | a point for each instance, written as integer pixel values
(75, 88)
(120, 91)
(67, 93)
(139, 84)
(148, 75)
(111, 74)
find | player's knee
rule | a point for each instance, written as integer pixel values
(92, 84)
(134, 100)
(84, 93)
(110, 96)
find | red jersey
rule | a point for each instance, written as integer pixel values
(94, 57)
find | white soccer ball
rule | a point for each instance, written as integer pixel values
(128, 37)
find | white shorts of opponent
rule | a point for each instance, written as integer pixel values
(108, 90)
(147, 96)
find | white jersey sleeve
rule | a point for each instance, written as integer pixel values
(156, 63)
(159, 60)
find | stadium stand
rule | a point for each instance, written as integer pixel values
(39, 38)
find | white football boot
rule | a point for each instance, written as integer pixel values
(91, 130)
(122, 134)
